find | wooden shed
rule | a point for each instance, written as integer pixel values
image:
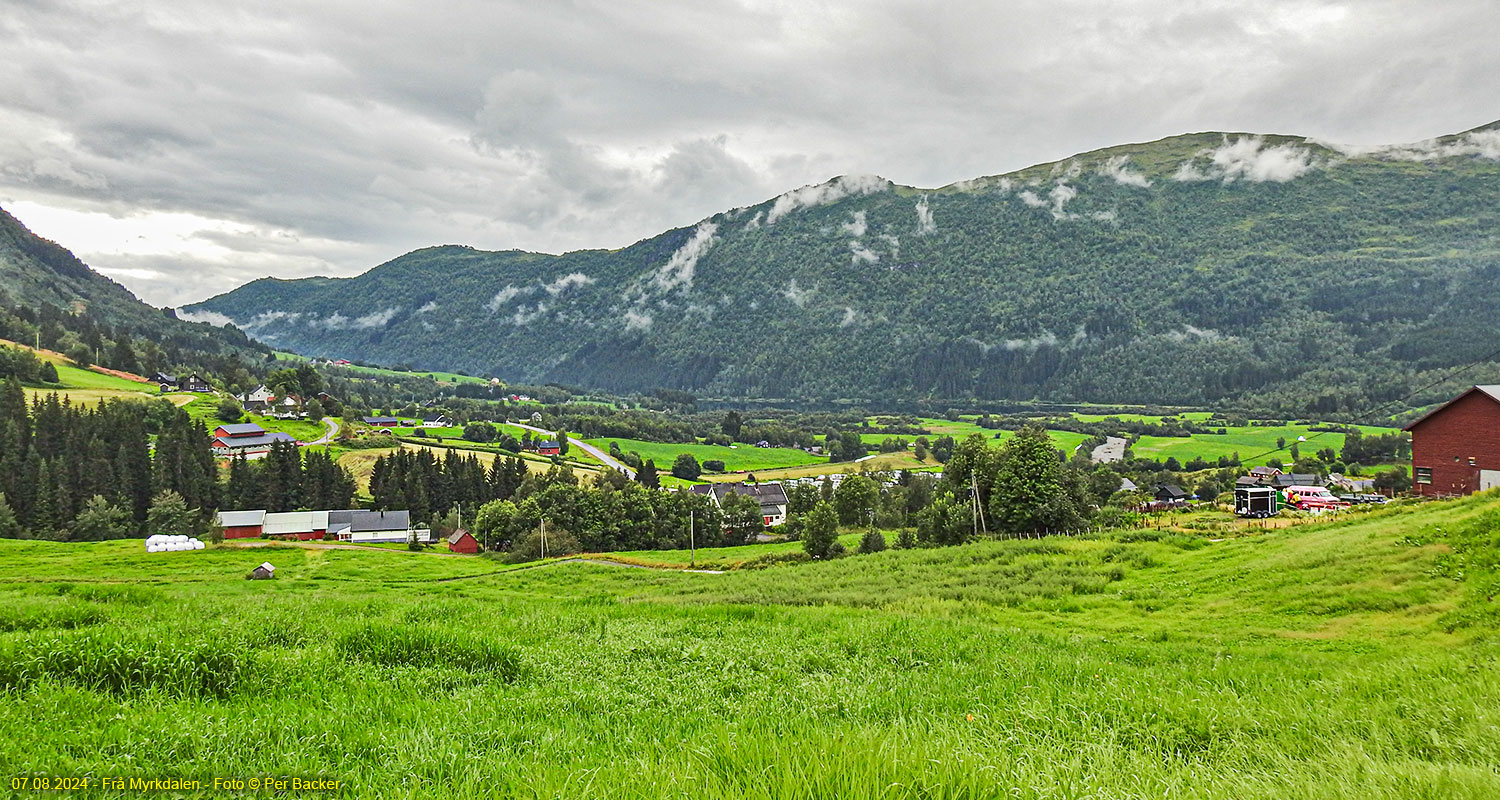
(463, 542)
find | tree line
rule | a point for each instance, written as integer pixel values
(74, 472)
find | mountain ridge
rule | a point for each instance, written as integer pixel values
(48, 290)
(1064, 280)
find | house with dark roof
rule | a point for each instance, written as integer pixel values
(168, 383)
(385, 422)
(194, 383)
(771, 496)
(358, 525)
(1455, 448)
(1170, 494)
(439, 421)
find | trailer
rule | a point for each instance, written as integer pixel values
(1258, 502)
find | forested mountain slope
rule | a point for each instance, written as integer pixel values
(1236, 269)
(46, 290)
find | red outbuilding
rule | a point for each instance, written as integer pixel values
(549, 448)
(1455, 449)
(242, 524)
(462, 542)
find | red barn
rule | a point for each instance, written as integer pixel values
(242, 524)
(549, 448)
(462, 542)
(1455, 449)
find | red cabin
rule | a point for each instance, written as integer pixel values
(462, 542)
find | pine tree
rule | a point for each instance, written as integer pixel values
(10, 527)
(647, 476)
(43, 517)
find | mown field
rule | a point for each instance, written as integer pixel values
(1355, 658)
(741, 457)
(1255, 445)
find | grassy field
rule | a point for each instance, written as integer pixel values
(1254, 445)
(963, 428)
(743, 457)
(721, 557)
(1354, 658)
(205, 407)
(885, 462)
(441, 377)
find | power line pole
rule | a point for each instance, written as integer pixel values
(544, 539)
(692, 542)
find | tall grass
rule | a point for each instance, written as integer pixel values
(1307, 663)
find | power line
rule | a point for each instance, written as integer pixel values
(1397, 402)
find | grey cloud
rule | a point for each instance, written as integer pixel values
(361, 131)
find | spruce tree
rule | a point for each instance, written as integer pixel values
(10, 527)
(647, 476)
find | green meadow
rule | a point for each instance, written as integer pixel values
(741, 457)
(1350, 658)
(1255, 445)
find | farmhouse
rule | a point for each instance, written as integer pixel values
(246, 439)
(289, 407)
(194, 383)
(375, 526)
(168, 383)
(351, 525)
(1169, 494)
(256, 399)
(439, 421)
(549, 448)
(462, 542)
(1455, 448)
(771, 496)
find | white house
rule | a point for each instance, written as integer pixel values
(771, 496)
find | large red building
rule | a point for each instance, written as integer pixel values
(1455, 449)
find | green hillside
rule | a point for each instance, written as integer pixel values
(48, 296)
(1354, 658)
(1210, 269)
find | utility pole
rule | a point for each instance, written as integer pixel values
(978, 506)
(544, 539)
(692, 542)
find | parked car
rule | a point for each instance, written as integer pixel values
(1313, 498)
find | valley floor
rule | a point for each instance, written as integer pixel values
(1354, 658)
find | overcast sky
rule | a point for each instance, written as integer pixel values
(186, 148)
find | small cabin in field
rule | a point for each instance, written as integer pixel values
(463, 542)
